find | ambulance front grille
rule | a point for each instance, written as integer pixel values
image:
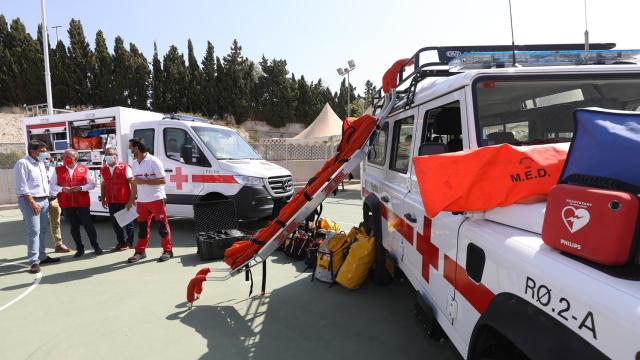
(281, 185)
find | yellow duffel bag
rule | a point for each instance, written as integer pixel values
(356, 266)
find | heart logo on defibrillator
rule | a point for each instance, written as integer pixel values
(575, 219)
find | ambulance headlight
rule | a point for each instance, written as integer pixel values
(249, 180)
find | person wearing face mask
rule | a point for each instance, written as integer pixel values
(54, 212)
(73, 181)
(116, 192)
(32, 189)
(148, 185)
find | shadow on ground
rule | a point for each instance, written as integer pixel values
(312, 321)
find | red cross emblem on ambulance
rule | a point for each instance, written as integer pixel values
(179, 178)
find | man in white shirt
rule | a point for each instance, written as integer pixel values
(148, 184)
(32, 189)
(72, 182)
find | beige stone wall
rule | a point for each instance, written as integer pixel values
(11, 131)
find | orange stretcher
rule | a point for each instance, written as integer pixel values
(244, 255)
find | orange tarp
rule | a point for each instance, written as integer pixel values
(488, 177)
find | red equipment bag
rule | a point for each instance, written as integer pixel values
(598, 225)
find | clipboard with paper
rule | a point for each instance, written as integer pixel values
(124, 216)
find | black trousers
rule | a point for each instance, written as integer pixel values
(120, 231)
(77, 217)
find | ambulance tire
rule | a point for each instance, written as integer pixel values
(380, 275)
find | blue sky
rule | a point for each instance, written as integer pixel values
(316, 37)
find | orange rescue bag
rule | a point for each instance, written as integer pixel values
(488, 177)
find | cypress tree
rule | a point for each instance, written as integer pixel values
(80, 61)
(304, 103)
(222, 107)
(139, 79)
(208, 87)
(121, 74)
(194, 99)
(60, 70)
(236, 80)
(18, 46)
(175, 80)
(157, 80)
(7, 70)
(102, 72)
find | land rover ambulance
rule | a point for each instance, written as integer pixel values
(203, 162)
(485, 279)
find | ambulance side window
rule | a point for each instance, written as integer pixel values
(402, 139)
(177, 143)
(378, 153)
(147, 136)
(443, 125)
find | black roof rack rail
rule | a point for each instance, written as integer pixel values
(173, 116)
(448, 53)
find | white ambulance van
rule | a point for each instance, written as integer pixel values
(203, 162)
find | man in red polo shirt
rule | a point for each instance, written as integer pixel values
(116, 193)
(148, 185)
(72, 182)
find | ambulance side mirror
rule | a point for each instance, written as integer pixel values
(187, 154)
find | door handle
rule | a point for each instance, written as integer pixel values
(168, 170)
(410, 218)
(384, 198)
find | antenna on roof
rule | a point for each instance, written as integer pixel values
(586, 29)
(513, 42)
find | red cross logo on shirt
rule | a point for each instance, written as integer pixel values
(179, 178)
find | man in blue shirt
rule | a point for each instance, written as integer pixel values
(32, 189)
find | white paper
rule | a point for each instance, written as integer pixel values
(124, 216)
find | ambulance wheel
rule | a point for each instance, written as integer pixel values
(380, 275)
(491, 345)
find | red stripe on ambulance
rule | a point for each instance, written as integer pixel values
(397, 223)
(208, 179)
(478, 295)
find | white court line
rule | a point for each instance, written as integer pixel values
(26, 292)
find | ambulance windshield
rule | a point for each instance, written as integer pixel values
(225, 144)
(539, 109)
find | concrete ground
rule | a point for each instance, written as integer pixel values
(103, 308)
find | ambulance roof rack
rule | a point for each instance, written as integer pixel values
(180, 117)
(446, 54)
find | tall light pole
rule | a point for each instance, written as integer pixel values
(45, 50)
(56, 27)
(343, 72)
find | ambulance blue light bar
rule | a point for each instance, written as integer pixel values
(504, 59)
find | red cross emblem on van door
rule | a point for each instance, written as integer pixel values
(179, 178)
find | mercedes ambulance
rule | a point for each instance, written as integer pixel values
(485, 279)
(203, 162)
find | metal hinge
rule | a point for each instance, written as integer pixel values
(452, 309)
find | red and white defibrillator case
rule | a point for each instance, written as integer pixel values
(595, 224)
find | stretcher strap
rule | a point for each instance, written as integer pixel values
(281, 223)
(264, 277)
(307, 196)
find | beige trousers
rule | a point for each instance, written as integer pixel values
(54, 221)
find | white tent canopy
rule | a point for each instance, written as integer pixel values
(326, 124)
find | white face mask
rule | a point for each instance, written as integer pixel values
(110, 159)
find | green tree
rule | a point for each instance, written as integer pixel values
(101, 78)
(304, 105)
(208, 86)
(369, 92)
(21, 45)
(7, 69)
(121, 74)
(194, 92)
(139, 79)
(157, 81)
(80, 58)
(175, 80)
(60, 70)
(275, 102)
(236, 80)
